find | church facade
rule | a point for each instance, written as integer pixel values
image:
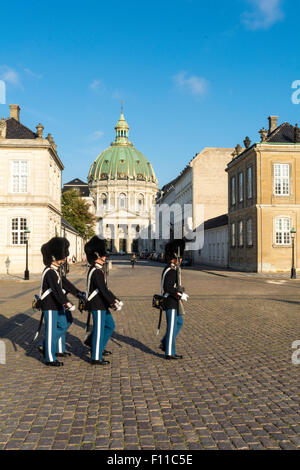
(123, 185)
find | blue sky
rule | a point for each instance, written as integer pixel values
(191, 74)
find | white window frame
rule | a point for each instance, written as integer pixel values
(249, 182)
(19, 231)
(241, 233)
(19, 175)
(233, 236)
(241, 186)
(233, 198)
(281, 179)
(249, 232)
(282, 235)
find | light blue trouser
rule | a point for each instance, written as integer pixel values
(55, 324)
(64, 321)
(174, 324)
(103, 327)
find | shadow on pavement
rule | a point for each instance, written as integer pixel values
(20, 331)
(135, 344)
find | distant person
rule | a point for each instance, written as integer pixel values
(133, 260)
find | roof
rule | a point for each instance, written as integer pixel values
(67, 224)
(16, 130)
(76, 182)
(216, 222)
(282, 134)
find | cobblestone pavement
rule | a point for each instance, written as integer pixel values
(236, 387)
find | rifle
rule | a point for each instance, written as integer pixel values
(178, 269)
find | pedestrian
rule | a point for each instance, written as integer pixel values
(99, 299)
(56, 308)
(174, 294)
(133, 260)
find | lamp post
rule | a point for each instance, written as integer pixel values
(293, 270)
(26, 273)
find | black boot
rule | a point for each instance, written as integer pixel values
(174, 356)
(106, 352)
(54, 363)
(64, 354)
(99, 363)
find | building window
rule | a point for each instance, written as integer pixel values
(103, 201)
(19, 176)
(282, 231)
(241, 187)
(281, 179)
(233, 191)
(233, 235)
(249, 182)
(18, 226)
(241, 238)
(122, 201)
(249, 232)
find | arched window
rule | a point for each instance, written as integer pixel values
(103, 201)
(140, 202)
(122, 201)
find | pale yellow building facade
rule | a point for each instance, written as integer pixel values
(264, 201)
(30, 193)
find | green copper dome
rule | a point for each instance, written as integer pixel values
(121, 160)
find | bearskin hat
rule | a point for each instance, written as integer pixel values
(55, 249)
(95, 248)
(171, 249)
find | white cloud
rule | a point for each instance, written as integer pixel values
(96, 85)
(97, 135)
(33, 74)
(264, 15)
(197, 86)
(10, 76)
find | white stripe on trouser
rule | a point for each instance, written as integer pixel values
(60, 345)
(98, 335)
(171, 333)
(50, 327)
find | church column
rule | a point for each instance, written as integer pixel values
(128, 239)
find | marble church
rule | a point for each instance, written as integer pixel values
(123, 186)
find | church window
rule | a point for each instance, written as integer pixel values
(18, 226)
(122, 200)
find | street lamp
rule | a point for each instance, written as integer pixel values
(293, 270)
(26, 273)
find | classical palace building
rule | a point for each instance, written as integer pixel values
(124, 187)
(264, 200)
(30, 193)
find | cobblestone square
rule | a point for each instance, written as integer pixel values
(236, 387)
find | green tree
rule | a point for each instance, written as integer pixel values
(76, 211)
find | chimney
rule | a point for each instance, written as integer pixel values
(15, 111)
(272, 123)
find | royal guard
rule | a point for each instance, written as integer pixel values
(56, 308)
(99, 300)
(173, 294)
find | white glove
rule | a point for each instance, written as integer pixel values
(184, 296)
(69, 306)
(120, 305)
